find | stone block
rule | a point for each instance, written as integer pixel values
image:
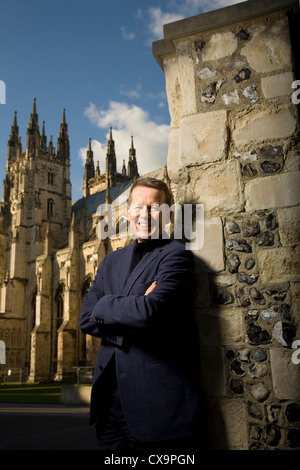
(220, 326)
(218, 187)
(213, 376)
(202, 291)
(220, 45)
(273, 191)
(203, 137)
(75, 395)
(180, 84)
(295, 293)
(270, 48)
(227, 425)
(186, 77)
(264, 124)
(211, 253)
(279, 264)
(289, 225)
(277, 85)
(173, 90)
(175, 162)
(285, 374)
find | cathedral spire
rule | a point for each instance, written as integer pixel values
(111, 161)
(63, 121)
(132, 168)
(33, 121)
(98, 169)
(63, 145)
(34, 106)
(13, 141)
(51, 148)
(14, 133)
(43, 138)
(89, 169)
(33, 132)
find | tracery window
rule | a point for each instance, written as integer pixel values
(50, 177)
(50, 207)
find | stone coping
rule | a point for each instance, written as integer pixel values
(216, 19)
(75, 394)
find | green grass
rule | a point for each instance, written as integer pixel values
(29, 393)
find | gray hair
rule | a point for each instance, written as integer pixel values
(155, 183)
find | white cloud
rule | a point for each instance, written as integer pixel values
(156, 18)
(133, 93)
(126, 35)
(150, 139)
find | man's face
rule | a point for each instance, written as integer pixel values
(144, 214)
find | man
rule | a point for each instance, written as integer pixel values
(145, 392)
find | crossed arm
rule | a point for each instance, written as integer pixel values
(106, 313)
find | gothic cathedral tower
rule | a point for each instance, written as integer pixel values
(35, 214)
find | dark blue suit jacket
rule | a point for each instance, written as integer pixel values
(153, 338)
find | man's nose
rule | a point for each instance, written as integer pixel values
(144, 212)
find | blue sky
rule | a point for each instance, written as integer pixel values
(93, 58)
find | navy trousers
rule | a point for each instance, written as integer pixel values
(112, 431)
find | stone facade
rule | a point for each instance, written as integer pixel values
(234, 147)
(50, 251)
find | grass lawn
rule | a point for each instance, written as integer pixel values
(30, 393)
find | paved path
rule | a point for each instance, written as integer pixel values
(45, 427)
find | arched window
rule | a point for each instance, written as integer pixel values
(50, 207)
(59, 305)
(50, 177)
(60, 310)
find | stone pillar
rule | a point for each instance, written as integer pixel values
(67, 334)
(40, 355)
(234, 147)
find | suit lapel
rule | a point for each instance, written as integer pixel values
(145, 261)
(123, 266)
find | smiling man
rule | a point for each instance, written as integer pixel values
(145, 393)
(145, 206)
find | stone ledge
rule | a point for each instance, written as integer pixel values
(75, 394)
(216, 19)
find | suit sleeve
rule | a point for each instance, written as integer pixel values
(174, 280)
(95, 293)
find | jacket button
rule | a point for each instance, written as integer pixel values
(101, 368)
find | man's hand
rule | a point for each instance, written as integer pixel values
(151, 288)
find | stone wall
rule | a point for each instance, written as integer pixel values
(234, 147)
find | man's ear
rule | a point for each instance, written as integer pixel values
(129, 217)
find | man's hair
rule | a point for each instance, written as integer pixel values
(155, 183)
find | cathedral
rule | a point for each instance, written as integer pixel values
(50, 250)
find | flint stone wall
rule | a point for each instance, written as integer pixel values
(234, 147)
